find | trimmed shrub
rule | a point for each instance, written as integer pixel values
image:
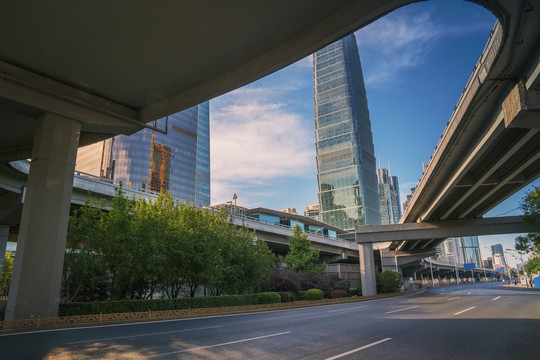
(283, 280)
(287, 297)
(388, 282)
(311, 294)
(122, 306)
(339, 294)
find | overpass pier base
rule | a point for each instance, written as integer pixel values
(37, 272)
(367, 269)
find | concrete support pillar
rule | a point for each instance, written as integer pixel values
(4, 234)
(37, 272)
(367, 269)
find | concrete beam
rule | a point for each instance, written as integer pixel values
(522, 108)
(440, 229)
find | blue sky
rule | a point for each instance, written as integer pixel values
(416, 62)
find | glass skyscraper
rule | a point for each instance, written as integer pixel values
(346, 167)
(389, 202)
(178, 161)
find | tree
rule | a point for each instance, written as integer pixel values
(7, 271)
(530, 204)
(301, 257)
(84, 269)
(533, 266)
(245, 258)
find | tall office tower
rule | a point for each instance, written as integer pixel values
(470, 250)
(497, 253)
(460, 250)
(389, 202)
(178, 161)
(345, 157)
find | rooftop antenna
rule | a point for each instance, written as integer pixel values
(379, 156)
(389, 171)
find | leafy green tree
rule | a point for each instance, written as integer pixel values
(532, 266)
(530, 204)
(246, 259)
(301, 256)
(84, 268)
(388, 281)
(7, 271)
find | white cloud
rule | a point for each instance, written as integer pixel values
(398, 41)
(255, 140)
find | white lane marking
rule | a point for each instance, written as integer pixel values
(468, 293)
(147, 334)
(393, 311)
(222, 344)
(497, 298)
(454, 298)
(349, 309)
(358, 349)
(462, 311)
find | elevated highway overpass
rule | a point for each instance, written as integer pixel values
(488, 151)
(78, 72)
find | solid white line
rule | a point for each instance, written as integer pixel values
(462, 311)
(358, 349)
(454, 298)
(349, 309)
(222, 344)
(147, 334)
(393, 311)
(497, 298)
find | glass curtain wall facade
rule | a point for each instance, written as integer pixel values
(497, 253)
(348, 194)
(178, 161)
(467, 251)
(470, 251)
(389, 201)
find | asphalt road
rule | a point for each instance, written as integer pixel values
(482, 321)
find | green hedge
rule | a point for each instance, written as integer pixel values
(122, 306)
(311, 294)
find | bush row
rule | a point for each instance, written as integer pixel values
(122, 306)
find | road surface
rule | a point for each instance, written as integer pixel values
(481, 321)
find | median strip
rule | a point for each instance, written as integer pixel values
(462, 311)
(358, 349)
(222, 344)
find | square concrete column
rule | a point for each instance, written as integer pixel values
(4, 234)
(367, 269)
(37, 272)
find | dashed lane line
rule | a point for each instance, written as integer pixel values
(407, 308)
(358, 349)
(497, 298)
(462, 311)
(221, 344)
(147, 334)
(348, 309)
(454, 298)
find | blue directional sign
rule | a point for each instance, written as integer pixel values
(468, 266)
(500, 270)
